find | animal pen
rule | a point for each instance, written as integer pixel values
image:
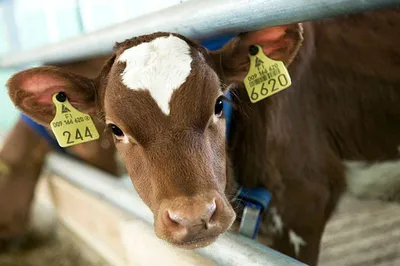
(106, 213)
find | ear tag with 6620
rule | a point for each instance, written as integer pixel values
(70, 126)
(266, 76)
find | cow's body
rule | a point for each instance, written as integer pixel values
(342, 105)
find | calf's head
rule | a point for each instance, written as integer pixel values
(162, 97)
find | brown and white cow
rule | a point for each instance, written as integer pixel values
(161, 96)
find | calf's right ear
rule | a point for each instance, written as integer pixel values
(31, 91)
(280, 43)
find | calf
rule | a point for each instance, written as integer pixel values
(23, 154)
(162, 97)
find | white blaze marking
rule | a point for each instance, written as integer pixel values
(160, 66)
(296, 241)
(277, 220)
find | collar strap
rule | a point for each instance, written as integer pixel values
(254, 202)
(228, 113)
(42, 131)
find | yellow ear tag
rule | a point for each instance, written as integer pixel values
(266, 76)
(70, 126)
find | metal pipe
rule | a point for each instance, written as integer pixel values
(198, 19)
(229, 250)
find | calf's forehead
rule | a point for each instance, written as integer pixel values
(159, 66)
(160, 75)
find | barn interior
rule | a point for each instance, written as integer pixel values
(83, 216)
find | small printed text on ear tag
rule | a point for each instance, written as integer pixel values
(266, 76)
(70, 126)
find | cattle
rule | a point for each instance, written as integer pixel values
(23, 154)
(163, 95)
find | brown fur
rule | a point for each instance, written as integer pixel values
(343, 104)
(201, 150)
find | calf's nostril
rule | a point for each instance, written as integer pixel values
(174, 217)
(211, 211)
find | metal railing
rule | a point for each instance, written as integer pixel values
(229, 250)
(197, 19)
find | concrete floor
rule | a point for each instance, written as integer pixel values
(49, 243)
(61, 249)
(362, 233)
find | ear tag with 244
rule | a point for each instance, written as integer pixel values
(266, 76)
(70, 126)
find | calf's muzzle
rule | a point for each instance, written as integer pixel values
(193, 222)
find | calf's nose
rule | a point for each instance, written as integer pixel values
(188, 219)
(197, 215)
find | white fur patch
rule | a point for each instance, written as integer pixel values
(296, 241)
(277, 221)
(160, 66)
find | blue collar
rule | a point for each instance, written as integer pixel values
(253, 201)
(228, 113)
(42, 131)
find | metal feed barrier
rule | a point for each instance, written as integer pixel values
(199, 19)
(229, 250)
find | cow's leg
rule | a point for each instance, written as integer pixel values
(303, 209)
(22, 156)
(302, 226)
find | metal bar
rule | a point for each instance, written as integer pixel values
(12, 28)
(229, 250)
(197, 19)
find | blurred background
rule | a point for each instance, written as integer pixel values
(29, 24)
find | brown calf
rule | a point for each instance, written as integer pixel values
(161, 96)
(24, 152)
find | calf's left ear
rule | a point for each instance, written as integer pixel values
(31, 91)
(279, 43)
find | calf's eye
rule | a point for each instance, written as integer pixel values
(219, 106)
(116, 130)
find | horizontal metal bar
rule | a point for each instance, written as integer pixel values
(197, 19)
(229, 250)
